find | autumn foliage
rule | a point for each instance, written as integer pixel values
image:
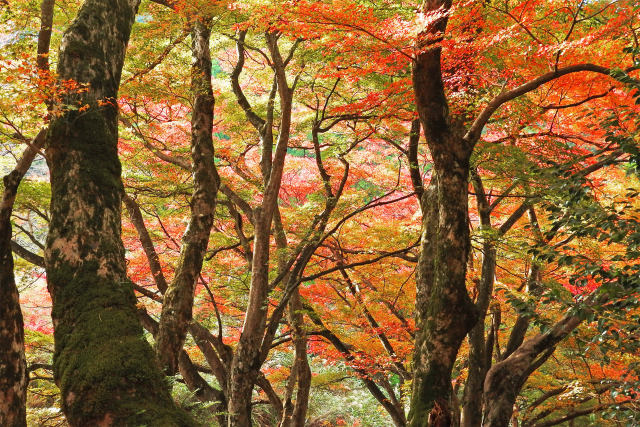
(553, 210)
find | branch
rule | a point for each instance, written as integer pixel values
(474, 132)
(147, 244)
(257, 121)
(412, 154)
(577, 103)
(359, 263)
(167, 50)
(26, 254)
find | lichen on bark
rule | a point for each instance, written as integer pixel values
(178, 299)
(105, 368)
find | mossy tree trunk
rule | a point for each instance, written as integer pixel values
(178, 299)
(106, 370)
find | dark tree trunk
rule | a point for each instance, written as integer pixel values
(178, 299)
(13, 365)
(444, 311)
(13, 370)
(106, 370)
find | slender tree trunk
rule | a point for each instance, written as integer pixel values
(106, 370)
(480, 350)
(303, 371)
(178, 300)
(13, 365)
(296, 401)
(203, 338)
(247, 357)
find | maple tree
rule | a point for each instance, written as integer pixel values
(284, 195)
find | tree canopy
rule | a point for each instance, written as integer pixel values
(304, 212)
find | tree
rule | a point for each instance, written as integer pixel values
(445, 312)
(102, 360)
(526, 222)
(13, 386)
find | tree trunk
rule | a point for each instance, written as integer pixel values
(178, 300)
(479, 351)
(505, 379)
(294, 410)
(296, 403)
(13, 365)
(247, 357)
(444, 311)
(105, 368)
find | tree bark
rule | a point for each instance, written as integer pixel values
(14, 377)
(106, 370)
(444, 311)
(13, 365)
(178, 299)
(247, 357)
(505, 379)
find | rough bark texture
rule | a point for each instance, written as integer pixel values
(178, 300)
(444, 311)
(13, 365)
(106, 370)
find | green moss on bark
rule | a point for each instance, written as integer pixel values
(102, 362)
